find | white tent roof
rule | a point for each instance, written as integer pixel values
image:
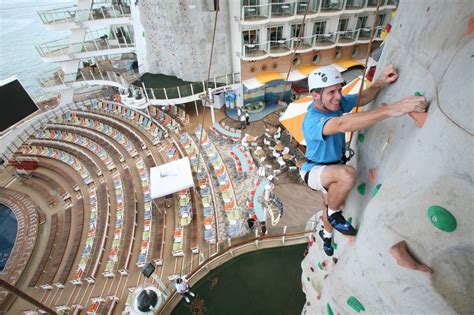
(171, 177)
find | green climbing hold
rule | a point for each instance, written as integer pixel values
(376, 190)
(361, 137)
(307, 278)
(349, 220)
(334, 245)
(320, 265)
(329, 309)
(442, 218)
(355, 304)
(361, 188)
(418, 93)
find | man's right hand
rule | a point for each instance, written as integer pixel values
(408, 105)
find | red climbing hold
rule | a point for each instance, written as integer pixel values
(372, 175)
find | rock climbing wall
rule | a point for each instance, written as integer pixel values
(179, 36)
(414, 184)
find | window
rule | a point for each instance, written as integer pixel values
(319, 28)
(295, 30)
(361, 22)
(250, 2)
(342, 26)
(275, 34)
(381, 19)
(250, 37)
(316, 58)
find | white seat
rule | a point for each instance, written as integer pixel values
(286, 150)
(276, 154)
(281, 162)
(266, 142)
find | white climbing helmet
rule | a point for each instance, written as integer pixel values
(323, 77)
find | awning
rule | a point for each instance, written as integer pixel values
(171, 177)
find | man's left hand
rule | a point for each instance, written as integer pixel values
(388, 75)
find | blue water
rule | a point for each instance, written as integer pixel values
(20, 30)
(8, 229)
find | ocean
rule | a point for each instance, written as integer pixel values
(20, 30)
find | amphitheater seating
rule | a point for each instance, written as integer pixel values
(137, 118)
(145, 243)
(50, 199)
(227, 196)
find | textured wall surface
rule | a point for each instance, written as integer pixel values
(417, 168)
(179, 37)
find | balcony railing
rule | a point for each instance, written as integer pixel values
(322, 40)
(57, 77)
(364, 34)
(255, 50)
(282, 9)
(378, 32)
(354, 4)
(94, 41)
(347, 37)
(280, 46)
(99, 11)
(301, 7)
(331, 5)
(191, 89)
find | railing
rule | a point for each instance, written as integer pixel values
(322, 40)
(373, 3)
(281, 45)
(364, 34)
(378, 32)
(226, 250)
(354, 4)
(191, 89)
(99, 11)
(332, 5)
(57, 77)
(93, 41)
(301, 6)
(345, 37)
(277, 10)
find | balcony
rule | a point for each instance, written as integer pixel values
(280, 47)
(372, 5)
(71, 15)
(301, 7)
(378, 32)
(57, 80)
(96, 43)
(346, 38)
(331, 7)
(304, 44)
(281, 11)
(364, 36)
(254, 51)
(325, 41)
(354, 6)
(255, 13)
(391, 4)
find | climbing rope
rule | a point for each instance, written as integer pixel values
(369, 47)
(295, 48)
(206, 85)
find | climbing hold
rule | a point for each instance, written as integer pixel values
(361, 188)
(334, 245)
(372, 175)
(307, 278)
(442, 218)
(355, 304)
(349, 220)
(335, 260)
(361, 137)
(376, 190)
(419, 118)
(320, 265)
(312, 269)
(324, 264)
(329, 309)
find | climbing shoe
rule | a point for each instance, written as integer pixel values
(340, 224)
(327, 246)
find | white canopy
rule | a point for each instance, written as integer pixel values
(171, 177)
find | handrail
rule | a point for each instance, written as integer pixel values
(98, 11)
(218, 255)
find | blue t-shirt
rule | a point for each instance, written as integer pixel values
(320, 148)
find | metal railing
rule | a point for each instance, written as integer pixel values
(99, 11)
(292, 8)
(345, 37)
(93, 41)
(57, 77)
(191, 89)
(223, 251)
